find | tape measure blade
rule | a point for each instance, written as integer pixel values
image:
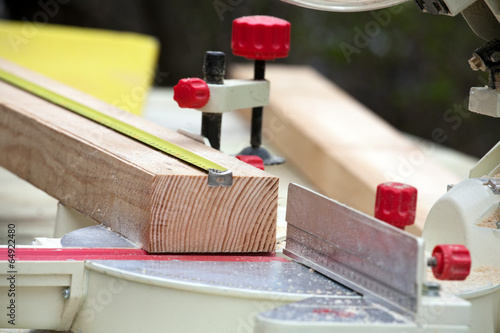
(112, 123)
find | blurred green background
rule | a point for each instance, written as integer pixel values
(410, 68)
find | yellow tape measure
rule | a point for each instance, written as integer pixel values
(217, 172)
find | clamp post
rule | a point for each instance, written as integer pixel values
(260, 38)
(214, 69)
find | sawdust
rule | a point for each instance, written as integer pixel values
(280, 232)
(490, 221)
(481, 277)
(280, 246)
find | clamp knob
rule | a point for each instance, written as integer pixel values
(253, 160)
(450, 262)
(396, 204)
(260, 37)
(191, 93)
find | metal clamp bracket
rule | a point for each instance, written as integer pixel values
(222, 178)
(494, 185)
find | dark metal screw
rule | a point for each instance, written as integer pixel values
(431, 288)
(256, 129)
(66, 293)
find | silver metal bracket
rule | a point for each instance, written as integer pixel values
(494, 185)
(222, 178)
(194, 136)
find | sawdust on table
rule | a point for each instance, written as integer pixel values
(280, 231)
(280, 246)
(490, 220)
(481, 277)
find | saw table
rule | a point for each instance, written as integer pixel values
(87, 287)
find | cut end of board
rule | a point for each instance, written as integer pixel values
(189, 216)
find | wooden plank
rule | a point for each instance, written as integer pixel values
(151, 198)
(341, 146)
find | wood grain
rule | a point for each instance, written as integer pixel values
(149, 197)
(342, 147)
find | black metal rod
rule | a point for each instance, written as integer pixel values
(214, 68)
(211, 128)
(259, 70)
(257, 114)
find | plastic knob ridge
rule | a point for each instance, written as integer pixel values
(452, 262)
(396, 204)
(260, 37)
(191, 93)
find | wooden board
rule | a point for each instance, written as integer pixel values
(151, 198)
(341, 146)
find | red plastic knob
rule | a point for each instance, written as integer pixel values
(452, 262)
(261, 37)
(253, 160)
(191, 93)
(396, 204)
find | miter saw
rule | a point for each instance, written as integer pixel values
(469, 212)
(349, 272)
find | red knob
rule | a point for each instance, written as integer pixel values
(260, 37)
(253, 160)
(396, 204)
(191, 93)
(451, 262)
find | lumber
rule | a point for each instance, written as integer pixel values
(153, 199)
(341, 146)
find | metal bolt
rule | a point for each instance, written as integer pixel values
(431, 289)
(495, 56)
(498, 224)
(432, 262)
(214, 67)
(66, 293)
